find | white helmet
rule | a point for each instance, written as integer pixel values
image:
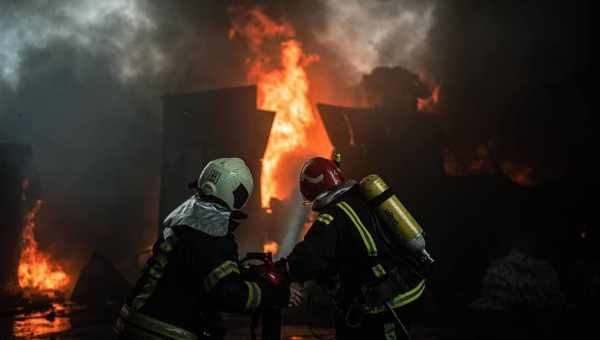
(227, 179)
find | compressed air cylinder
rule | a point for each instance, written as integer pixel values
(393, 214)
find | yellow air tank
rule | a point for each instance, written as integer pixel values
(394, 215)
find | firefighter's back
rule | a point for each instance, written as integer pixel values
(171, 288)
(367, 255)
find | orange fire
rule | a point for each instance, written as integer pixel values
(278, 66)
(36, 270)
(271, 247)
(521, 174)
(429, 104)
(42, 325)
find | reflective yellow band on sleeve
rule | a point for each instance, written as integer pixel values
(217, 274)
(378, 270)
(364, 233)
(254, 295)
(401, 299)
(325, 218)
(389, 330)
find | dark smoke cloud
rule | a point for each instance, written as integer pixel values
(81, 82)
(72, 75)
(517, 73)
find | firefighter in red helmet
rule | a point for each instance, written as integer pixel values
(379, 282)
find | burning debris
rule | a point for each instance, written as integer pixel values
(15, 166)
(519, 173)
(484, 159)
(43, 323)
(37, 271)
(429, 104)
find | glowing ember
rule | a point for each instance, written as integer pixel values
(271, 247)
(519, 173)
(429, 104)
(36, 270)
(42, 324)
(482, 164)
(297, 132)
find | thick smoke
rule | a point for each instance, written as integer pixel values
(81, 82)
(78, 82)
(369, 34)
(116, 27)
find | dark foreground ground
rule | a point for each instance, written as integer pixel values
(71, 321)
(67, 320)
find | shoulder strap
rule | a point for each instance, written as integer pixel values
(366, 237)
(378, 270)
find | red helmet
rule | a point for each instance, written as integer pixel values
(318, 175)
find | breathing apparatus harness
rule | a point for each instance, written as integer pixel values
(388, 290)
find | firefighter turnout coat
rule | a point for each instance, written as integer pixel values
(348, 242)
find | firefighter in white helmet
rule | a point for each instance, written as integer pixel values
(193, 273)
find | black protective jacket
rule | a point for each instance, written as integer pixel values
(192, 276)
(347, 241)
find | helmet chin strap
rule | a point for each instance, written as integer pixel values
(308, 203)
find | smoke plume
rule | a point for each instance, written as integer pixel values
(368, 34)
(116, 27)
(78, 81)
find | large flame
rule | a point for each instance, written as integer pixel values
(36, 270)
(278, 66)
